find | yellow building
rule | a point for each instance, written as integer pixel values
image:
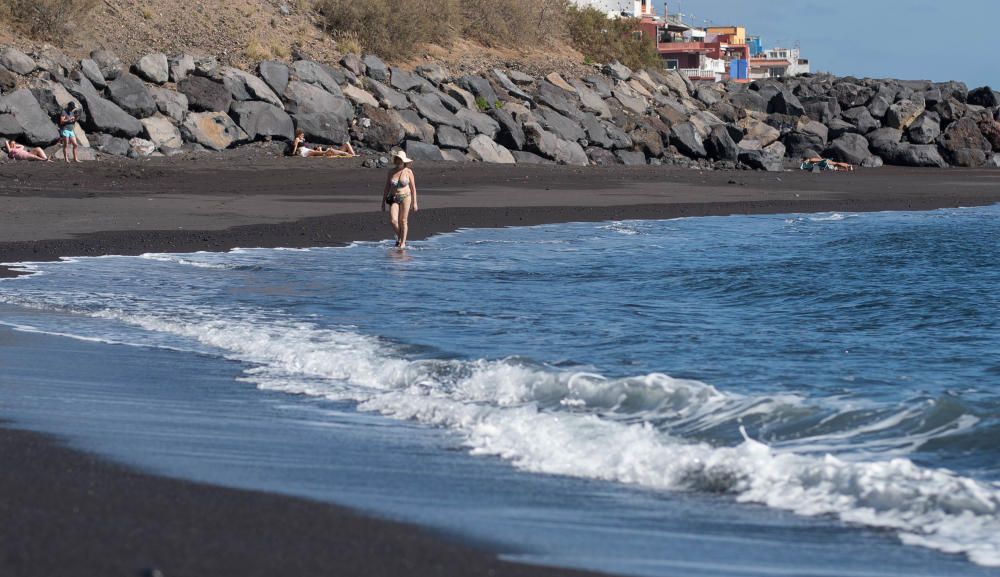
(737, 34)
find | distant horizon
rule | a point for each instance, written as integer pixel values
(908, 49)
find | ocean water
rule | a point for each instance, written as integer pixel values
(686, 397)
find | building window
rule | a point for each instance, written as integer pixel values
(672, 64)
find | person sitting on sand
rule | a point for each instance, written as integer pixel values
(19, 152)
(819, 163)
(67, 120)
(299, 148)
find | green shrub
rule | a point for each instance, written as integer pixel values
(47, 19)
(601, 39)
(482, 104)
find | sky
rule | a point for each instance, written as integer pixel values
(907, 39)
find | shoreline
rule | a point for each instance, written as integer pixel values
(116, 519)
(249, 201)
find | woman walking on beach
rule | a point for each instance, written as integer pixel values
(400, 193)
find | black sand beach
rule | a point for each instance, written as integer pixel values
(73, 513)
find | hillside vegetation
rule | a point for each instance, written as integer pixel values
(468, 34)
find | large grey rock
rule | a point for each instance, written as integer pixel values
(449, 137)
(766, 160)
(434, 72)
(430, 107)
(375, 68)
(862, 118)
(109, 64)
(153, 68)
(821, 108)
(452, 104)
(549, 145)
(37, 128)
(839, 127)
(720, 144)
(802, 144)
(359, 96)
(923, 155)
(244, 86)
(687, 140)
(760, 131)
(109, 144)
(275, 74)
(510, 133)
(480, 88)
(963, 143)
(415, 127)
(354, 63)
(631, 157)
(379, 129)
(130, 93)
(323, 127)
(991, 132)
(748, 100)
(600, 84)
(92, 72)
(52, 60)
(387, 96)
(140, 147)
(484, 149)
(213, 130)
(453, 155)
(312, 73)
(878, 107)
(630, 99)
(169, 103)
(850, 95)
(421, 151)
(461, 95)
(618, 71)
(206, 65)
(513, 89)
(161, 131)
(205, 94)
(9, 127)
(303, 98)
(924, 130)
(903, 113)
(556, 98)
(180, 67)
(601, 156)
(619, 139)
(104, 115)
(884, 141)
(983, 96)
(563, 127)
(16, 61)
(596, 133)
(404, 80)
(707, 95)
(850, 148)
(590, 100)
(478, 123)
(261, 120)
(525, 157)
(784, 102)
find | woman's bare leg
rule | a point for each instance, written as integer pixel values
(404, 214)
(346, 147)
(75, 144)
(394, 219)
(39, 154)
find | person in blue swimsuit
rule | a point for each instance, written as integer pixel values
(400, 193)
(67, 123)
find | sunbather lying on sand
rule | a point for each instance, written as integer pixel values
(19, 152)
(820, 163)
(299, 148)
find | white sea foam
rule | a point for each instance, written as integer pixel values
(583, 424)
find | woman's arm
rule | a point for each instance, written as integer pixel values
(413, 190)
(385, 189)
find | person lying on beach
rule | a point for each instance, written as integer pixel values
(819, 163)
(299, 148)
(19, 152)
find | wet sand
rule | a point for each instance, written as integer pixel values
(72, 513)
